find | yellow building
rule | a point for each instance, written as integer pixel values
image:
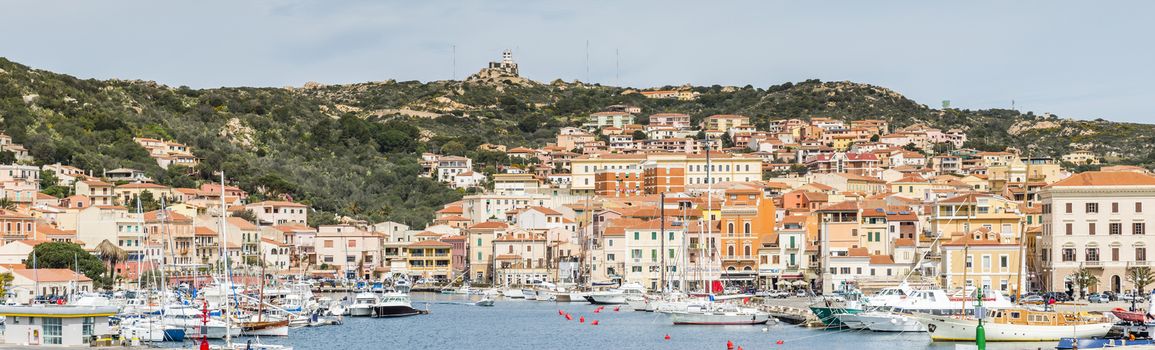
(723, 167)
(981, 258)
(429, 259)
(968, 212)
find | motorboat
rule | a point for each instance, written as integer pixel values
(402, 285)
(149, 330)
(1017, 325)
(570, 297)
(718, 313)
(484, 302)
(882, 321)
(394, 305)
(194, 324)
(618, 295)
(528, 294)
(362, 304)
(513, 293)
(894, 316)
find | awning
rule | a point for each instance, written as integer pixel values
(790, 277)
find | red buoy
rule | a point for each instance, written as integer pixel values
(597, 311)
(617, 308)
(739, 347)
(779, 342)
(594, 323)
(568, 317)
(667, 337)
(582, 319)
(560, 313)
(729, 345)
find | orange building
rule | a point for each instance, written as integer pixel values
(618, 183)
(746, 222)
(659, 179)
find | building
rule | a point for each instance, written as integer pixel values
(100, 192)
(981, 258)
(279, 212)
(429, 259)
(724, 122)
(600, 120)
(28, 284)
(1097, 221)
(352, 252)
(645, 252)
(55, 325)
(449, 166)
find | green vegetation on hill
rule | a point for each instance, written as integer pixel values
(354, 149)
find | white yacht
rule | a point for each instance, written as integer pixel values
(617, 296)
(362, 304)
(718, 313)
(895, 316)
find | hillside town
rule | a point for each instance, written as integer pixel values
(821, 205)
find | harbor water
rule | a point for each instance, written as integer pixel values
(534, 325)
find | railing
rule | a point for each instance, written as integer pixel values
(1093, 263)
(1140, 263)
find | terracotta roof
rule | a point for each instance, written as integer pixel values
(273, 242)
(51, 275)
(841, 206)
(453, 209)
(46, 229)
(97, 183)
(203, 231)
(453, 218)
(294, 228)
(857, 252)
(172, 216)
(278, 204)
(242, 224)
(508, 257)
(489, 225)
(1103, 178)
(546, 211)
(881, 260)
(904, 242)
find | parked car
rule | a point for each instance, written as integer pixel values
(1034, 299)
(1098, 298)
(1127, 296)
(801, 293)
(1111, 296)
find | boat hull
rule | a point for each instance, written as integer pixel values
(718, 319)
(826, 314)
(360, 311)
(943, 328)
(395, 311)
(608, 299)
(890, 323)
(269, 328)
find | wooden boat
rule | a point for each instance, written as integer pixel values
(1013, 325)
(1131, 316)
(275, 328)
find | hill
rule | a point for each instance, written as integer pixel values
(353, 149)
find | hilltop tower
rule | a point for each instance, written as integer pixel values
(506, 66)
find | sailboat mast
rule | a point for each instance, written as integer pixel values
(1023, 230)
(709, 220)
(140, 255)
(662, 237)
(225, 268)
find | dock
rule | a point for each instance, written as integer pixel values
(792, 315)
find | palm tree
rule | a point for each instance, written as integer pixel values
(112, 254)
(1083, 278)
(1140, 276)
(5, 280)
(7, 204)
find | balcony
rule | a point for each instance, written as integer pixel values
(1093, 264)
(1140, 263)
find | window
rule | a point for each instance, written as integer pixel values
(1139, 228)
(328, 243)
(479, 242)
(636, 253)
(1092, 208)
(1004, 261)
(1115, 207)
(1138, 207)
(609, 257)
(1068, 254)
(1069, 208)
(1091, 228)
(970, 261)
(52, 331)
(1069, 229)
(653, 236)
(86, 331)
(1140, 254)
(1092, 254)
(746, 228)
(986, 262)
(1114, 254)
(637, 235)
(653, 255)
(1114, 228)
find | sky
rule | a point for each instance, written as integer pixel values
(1082, 60)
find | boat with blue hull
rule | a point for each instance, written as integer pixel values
(1099, 343)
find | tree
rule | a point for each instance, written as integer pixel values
(453, 148)
(1140, 276)
(66, 255)
(5, 279)
(7, 157)
(639, 135)
(1083, 279)
(7, 204)
(727, 141)
(112, 254)
(874, 138)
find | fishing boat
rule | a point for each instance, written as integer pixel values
(265, 327)
(715, 313)
(362, 304)
(394, 305)
(1019, 325)
(618, 295)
